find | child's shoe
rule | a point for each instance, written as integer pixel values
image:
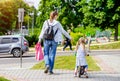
(75, 74)
(86, 75)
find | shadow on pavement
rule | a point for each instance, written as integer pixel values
(10, 56)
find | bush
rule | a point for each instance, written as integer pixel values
(75, 37)
(86, 30)
(33, 39)
(119, 30)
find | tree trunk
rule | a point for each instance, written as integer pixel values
(116, 32)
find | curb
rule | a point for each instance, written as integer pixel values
(90, 50)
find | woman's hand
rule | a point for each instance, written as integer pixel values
(39, 41)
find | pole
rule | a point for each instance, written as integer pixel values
(28, 25)
(32, 23)
(20, 20)
(21, 48)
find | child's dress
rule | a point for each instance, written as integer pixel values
(80, 57)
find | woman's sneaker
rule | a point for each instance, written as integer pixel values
(50, 73)
(46, 69)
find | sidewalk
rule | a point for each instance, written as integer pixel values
(108, 61)
(60, 75)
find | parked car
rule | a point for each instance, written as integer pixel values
(12, 44)
(102, 39)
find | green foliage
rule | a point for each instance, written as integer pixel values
(81, 32)
(88, 13)
(32, 39)
(9, 14)
(68, 12)
(119, 30)
(3, 79)
(1, 33)
(75, 37)
(46, 6)
(86, 30)
(101, 13)
(35, 31)
(68, 62)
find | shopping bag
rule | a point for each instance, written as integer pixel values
(38, 52)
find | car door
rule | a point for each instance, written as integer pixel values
(5, 45)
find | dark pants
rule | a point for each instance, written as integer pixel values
(68, 43)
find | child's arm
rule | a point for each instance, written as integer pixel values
(85, 50)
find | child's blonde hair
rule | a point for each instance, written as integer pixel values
(80, 41)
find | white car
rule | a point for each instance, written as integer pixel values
(102, 39)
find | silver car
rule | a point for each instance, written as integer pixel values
(12, 44)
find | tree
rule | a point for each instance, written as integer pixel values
(68, 12)
(101, 13)
(88, 13)
(9, 13)
(46, 6)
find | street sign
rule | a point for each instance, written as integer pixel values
(20, 14)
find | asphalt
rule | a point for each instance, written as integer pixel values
(108, 60)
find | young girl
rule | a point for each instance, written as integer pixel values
(80, 56)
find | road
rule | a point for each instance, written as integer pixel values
(28, 60)
(8, 61)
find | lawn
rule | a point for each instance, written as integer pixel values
(113, 45)
(99, 46)
(3, 79)
(68, 63)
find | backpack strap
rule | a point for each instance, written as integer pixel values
(48, 23)
(52, 26)
(56, 31)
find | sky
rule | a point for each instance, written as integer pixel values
(33, 2)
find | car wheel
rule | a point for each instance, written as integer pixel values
(16, 52)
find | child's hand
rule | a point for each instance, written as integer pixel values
(75, 53)
(87, 54)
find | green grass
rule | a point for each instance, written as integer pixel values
(114, 45)
(3, 79)
(99, 46)
(68, 63)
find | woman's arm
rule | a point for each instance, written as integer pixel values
(76, 48)
(63, 31)
(42, 32)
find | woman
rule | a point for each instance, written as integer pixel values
(50, 46)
